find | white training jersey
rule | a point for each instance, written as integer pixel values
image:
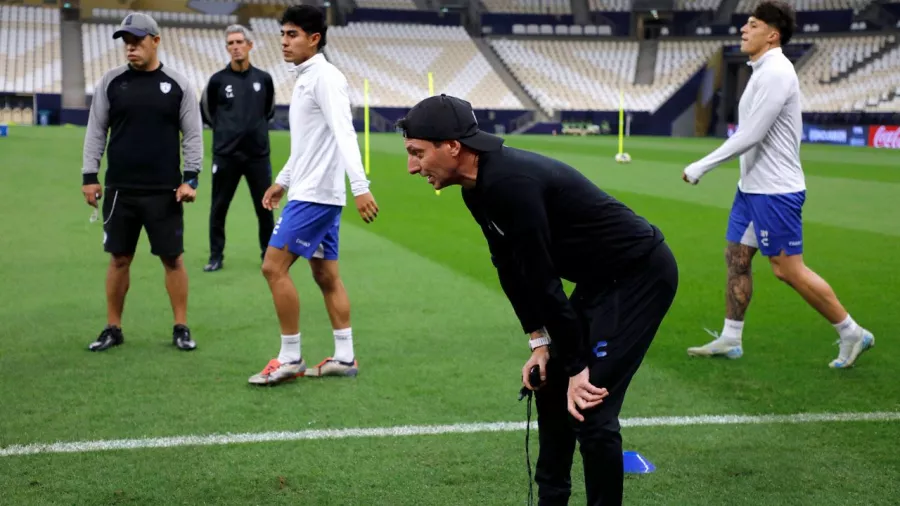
(324, 147)
(769, 130)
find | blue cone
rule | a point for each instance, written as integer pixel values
(636, 463)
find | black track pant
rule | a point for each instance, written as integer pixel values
(621, 320)
(226, 177)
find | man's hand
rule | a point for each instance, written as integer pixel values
(273, 196)
(185, 193)
(92, 192)
(582, 394)
(367, 207)
(687, 178)
(538, 358)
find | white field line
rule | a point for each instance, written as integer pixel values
(419, 430)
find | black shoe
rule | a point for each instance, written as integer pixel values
(181, 337)
(111, 336)
(213, 265)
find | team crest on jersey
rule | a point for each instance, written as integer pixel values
(256, 86)
(165, 87)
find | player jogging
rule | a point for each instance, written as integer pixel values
(323, 147)
(767, 208)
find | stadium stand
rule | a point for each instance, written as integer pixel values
(116, 16)
(866, 87)
(570, 74)
(563, 62)
(609, 5)
(396, 58)
(588, 74)
(529, 6)
(747, 6)
(387, 4)
(30, 59)
(697, 5)
(861, 89)
(834, 55)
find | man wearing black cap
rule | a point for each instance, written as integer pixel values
(544, 221)
(151, 113)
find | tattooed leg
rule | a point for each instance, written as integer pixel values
(737, 298)
(738, 258)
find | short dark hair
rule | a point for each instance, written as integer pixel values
(779, 15)
(310, 19)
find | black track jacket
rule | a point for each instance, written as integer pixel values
(238, 107)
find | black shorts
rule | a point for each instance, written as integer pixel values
(125, 212)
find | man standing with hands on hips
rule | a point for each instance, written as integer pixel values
(150, 113)
(238, 103)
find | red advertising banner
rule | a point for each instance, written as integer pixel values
(884, 136)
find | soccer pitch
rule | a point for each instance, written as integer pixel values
(439, 349)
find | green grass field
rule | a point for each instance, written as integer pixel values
(437, 344)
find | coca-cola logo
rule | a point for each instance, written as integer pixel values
(884, 136)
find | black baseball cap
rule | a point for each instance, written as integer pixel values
(137, 24)
(446, 118)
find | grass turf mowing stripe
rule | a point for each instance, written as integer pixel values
(419, 430)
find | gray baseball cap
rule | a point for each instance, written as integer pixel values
(137, 24)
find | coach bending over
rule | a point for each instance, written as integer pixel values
(544, 221)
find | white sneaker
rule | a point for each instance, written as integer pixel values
(276, 372)
(851, 349)
(720, 346)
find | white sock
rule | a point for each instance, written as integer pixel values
(848, 329)
(732, 330)
(290, 348)
(343, 345)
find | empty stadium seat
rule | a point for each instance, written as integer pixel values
(396, 59)
(747, 6)
(697, 5)
(588, 74)
(609, 5)
(30, 59)
(408, 5)
(861, 89)
(555, 7)
(197, 18)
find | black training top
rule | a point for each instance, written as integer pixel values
(146, 114)
(543, 221)
(238, 107)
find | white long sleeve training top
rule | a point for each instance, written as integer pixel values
(324, 145)
(769, 130)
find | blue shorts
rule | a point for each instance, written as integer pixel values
(771, 223)
(308, 229)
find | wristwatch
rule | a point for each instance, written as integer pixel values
(538, 342)
(193, 183)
